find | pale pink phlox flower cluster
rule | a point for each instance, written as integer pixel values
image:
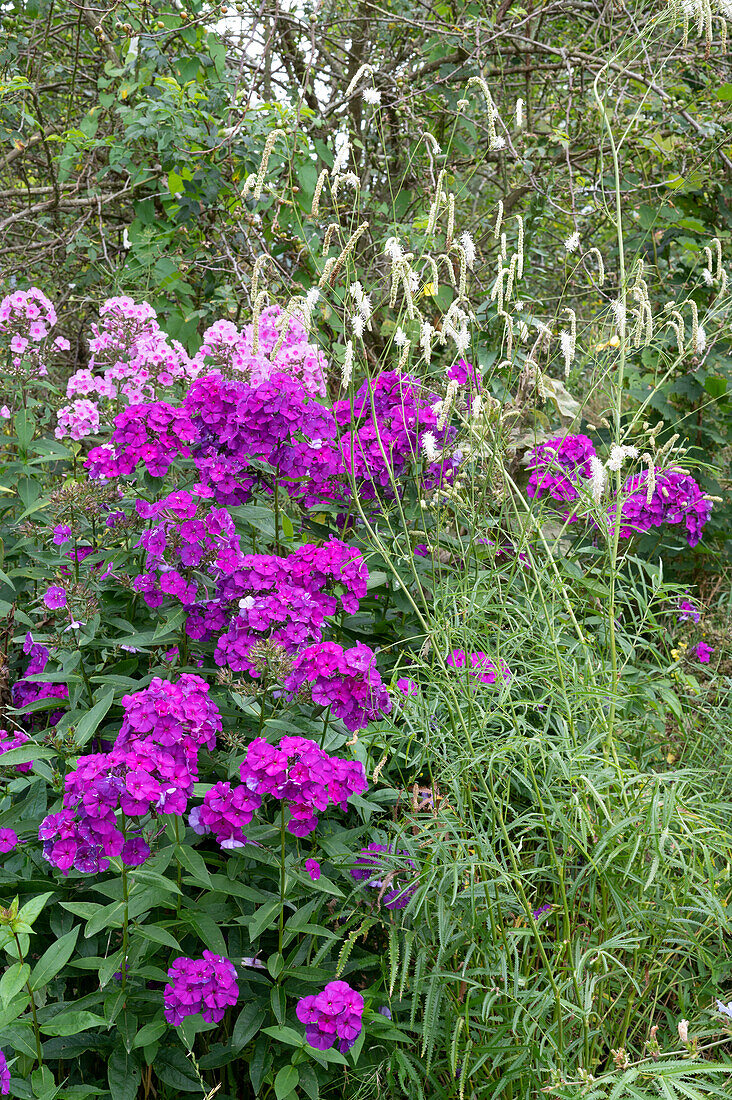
(26, 318)
(131, 357)
(226, 347)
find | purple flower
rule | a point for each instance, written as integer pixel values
(135, 852)
(703, 652)
(407, 687)
(726, 1010)
(54, 597)
(8, 840)
(688, 610)
(559, 466)
(4, 1075)
(206, 985)
(345, 679)
(481, 667)
(543, 909)
(313, 869)
(336, 1013)
(151, 769)
(676, 500)
(303, 775)
(395, 883)
(61, 534)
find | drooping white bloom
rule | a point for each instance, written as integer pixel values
(498, 142)
(372, 96)
(462, 339)
(347, 365)
(700, 341)
(477, 407)
(468, 244)
(400, 337)
(425, 339)
(567, 343)
(618, 453)
(364, 306)
(341, 157)
(311, 298)
(598, 478)
(572, 242)
(518, 306)
(519, 114)
(429, 447)
(356, 290)
(358, 325)
(394, 250)
(618, 308)
(707, 276)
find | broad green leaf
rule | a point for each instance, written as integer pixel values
(88, 725)
(262, 919)
(13, 981)
(54, 959)
(32, 908)
(123, 1075)
(286, 1082)
(248, 1023)
(69, 1023)
(194, 862)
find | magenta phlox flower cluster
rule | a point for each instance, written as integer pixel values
(394, 882)
(303, 775)
(172, 713)
(224, 812)
(273, 422)
(283, 600)
(288, 617)
(334, 1014)
(186, 536)
(465, 374)
(391, 413)
(10, 740)
(206, 985)
(155, 434)
(4, 1075)
(151, 769)
(676, 500)
(479, 665)
(559, 465)
(346, 680)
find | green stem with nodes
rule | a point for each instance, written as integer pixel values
(611, 748)
(125, 926)
(281, 929)
(36, 1029)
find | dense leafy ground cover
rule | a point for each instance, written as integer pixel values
(366, 616)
